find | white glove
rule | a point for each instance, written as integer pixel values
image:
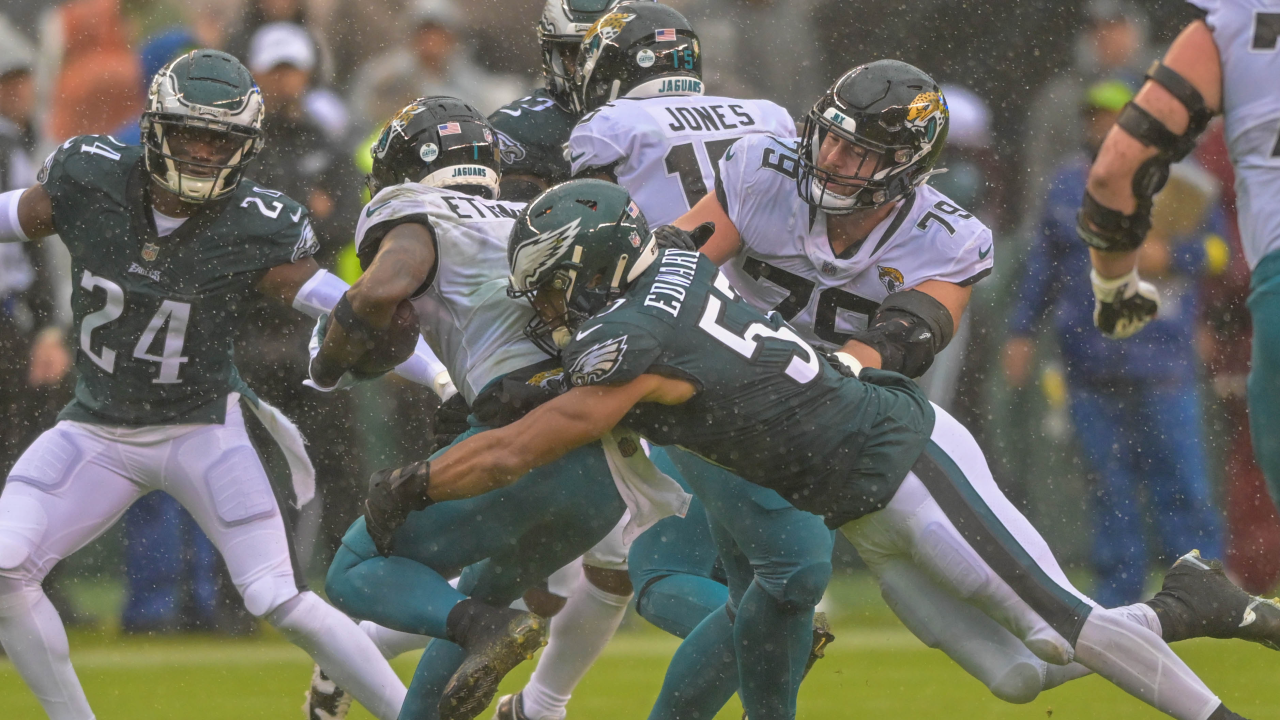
(313, 349)
(1124, 305)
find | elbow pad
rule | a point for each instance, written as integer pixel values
(1112, 231)
(909, 330)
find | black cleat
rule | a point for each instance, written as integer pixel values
(1197, 600)
(510, 707)
(325, 700)
(493, 650)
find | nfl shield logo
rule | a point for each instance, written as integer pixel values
(828, 267)
(149, 251)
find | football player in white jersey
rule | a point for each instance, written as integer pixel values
(648, 124)
(839, 233)
(1226, 61)
(434, 233)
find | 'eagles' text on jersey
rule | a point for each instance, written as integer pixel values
(155, 317)
(531, 136)
(786, 262)
(463, 308)
(767, 407)
(1247, 33)
(665, 150)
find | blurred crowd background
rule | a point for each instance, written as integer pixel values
(1125, 454)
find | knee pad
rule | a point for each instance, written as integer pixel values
(1020, 684)
(18, 594)
(805, 587)
(22, 526)
(264, 595)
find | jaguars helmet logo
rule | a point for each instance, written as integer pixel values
(510, 151)
(393, 126)
(608, 27)
(598, 362)
(926, 113)
(891, 278)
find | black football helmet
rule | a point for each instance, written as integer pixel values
(560, 32)
(896, 115)
(641, 49)
(437, 141)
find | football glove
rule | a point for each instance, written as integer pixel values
(450, 421)
(844, 363)
(1124, 305)
(393, 494)
(672, 237)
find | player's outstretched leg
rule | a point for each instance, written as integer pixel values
(495, 641)
(1198, 600)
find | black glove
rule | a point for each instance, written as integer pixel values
(450, 421)
(840, 366)
(393, 494)
(672, 237)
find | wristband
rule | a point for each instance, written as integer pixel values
(353, 324)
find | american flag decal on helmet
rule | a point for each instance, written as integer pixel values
(665, 35)
(449, 128)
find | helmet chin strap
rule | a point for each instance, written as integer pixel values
(647, 256)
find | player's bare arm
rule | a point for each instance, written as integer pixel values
(1194, 56)
(726, 242)
(25, 214)
(404, 260)
(282, 282)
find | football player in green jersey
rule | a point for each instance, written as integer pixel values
(660, 342)
(170, 243)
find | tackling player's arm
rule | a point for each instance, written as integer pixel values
(726, 242)
(405, 259)
(1159, 127)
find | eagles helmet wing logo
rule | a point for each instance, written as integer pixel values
(533, 256)
(598, 362)
(891, 278)
(511, 151)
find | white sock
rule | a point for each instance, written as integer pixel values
(579, 634)
(1055, 675)
(36, 642)
(1137, 661)
(1143, 614)
(342, 651)
(393, 643)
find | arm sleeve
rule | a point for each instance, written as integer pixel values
(616, 354)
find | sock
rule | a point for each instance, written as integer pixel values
(36, 642)
(677, 603)
(1142, 614)
(342, 651)
(1055, 675)
(1137, 661)
(703, 673)
(579, 634)
(772, 642)
(392, 643)
(438, 663)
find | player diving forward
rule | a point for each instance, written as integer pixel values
(170, 244)
(1218, 63)
(434, 233)
(869, 453)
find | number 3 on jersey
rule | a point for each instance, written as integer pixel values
(173, 316)
(803, 367)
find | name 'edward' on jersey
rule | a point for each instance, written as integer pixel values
(463, 308)
(786, 262)
(665, 150)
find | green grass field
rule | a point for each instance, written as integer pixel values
(876, 669)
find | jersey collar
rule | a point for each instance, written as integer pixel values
(138, 200)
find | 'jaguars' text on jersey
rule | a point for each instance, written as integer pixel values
(665, 150)
(768, 407)
(786, 263)
(463, 308)
(155, 316)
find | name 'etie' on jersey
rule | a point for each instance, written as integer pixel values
(465, 313)
(786, 263)
(665, 150)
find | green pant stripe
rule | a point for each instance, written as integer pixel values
(983, 530)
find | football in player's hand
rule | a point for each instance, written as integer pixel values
(395, 347)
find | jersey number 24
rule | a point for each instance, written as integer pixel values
(172, 316)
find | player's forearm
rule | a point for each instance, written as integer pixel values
(25, 215)
(481, 463)
(863, 353)
(1112, 265)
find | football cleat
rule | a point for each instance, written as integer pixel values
(1198, 600)
(510, 707)
(493, 650)
(325, 700)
